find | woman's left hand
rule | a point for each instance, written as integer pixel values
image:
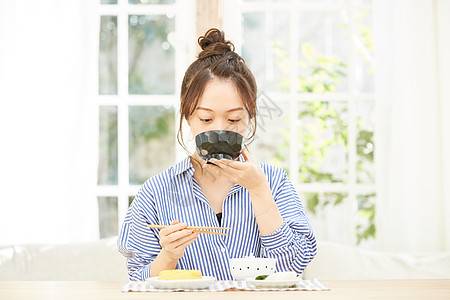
(247, 174)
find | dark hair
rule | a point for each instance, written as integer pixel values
(217, 60)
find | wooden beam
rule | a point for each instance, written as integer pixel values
(209, 15)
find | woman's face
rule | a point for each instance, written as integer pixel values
(219, 108)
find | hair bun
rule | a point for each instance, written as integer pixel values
(214, 43)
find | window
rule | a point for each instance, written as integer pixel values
(143, 54)
(313, 62)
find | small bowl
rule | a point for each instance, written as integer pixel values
(219, 144)
(250, 267)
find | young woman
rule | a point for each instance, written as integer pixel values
(257, 201)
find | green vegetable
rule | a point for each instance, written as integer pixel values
(261, 277)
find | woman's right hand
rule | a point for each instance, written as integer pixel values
(174, 239)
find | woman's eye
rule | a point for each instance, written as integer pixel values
(205, 120)
(234, 121)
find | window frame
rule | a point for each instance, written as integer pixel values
(232, 16)
(184, 12)
(186, 27)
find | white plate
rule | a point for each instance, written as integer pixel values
(187, 284)
(272, 283)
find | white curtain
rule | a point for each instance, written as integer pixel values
(412, 40)
(48, 121)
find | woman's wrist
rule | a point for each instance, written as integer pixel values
(268, 218)
(262, 199)
(265, 210)
(167, 258)
(163, 261)
(261, 190)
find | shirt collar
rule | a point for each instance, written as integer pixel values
(183, 166)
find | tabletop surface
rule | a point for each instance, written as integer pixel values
(339, 289)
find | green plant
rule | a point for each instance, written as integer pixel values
(324, 127)
(316, 201)
(323, 123)
(366, 214)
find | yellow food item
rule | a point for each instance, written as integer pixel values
(179, 274)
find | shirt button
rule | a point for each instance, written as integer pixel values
(223, 249)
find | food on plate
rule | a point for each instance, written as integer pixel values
(179, 274)
(279, 276)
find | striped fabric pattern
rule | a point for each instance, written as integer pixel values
(224, 285)
(175, 195)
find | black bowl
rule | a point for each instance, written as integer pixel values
(219, 144)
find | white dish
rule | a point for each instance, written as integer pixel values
(186, 284)
(272, 283)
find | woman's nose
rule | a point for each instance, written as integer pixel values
(220, 125)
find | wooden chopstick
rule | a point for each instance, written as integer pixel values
(188, 227)
(209, 232)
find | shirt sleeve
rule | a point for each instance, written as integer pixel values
(138, 243)
(293, 244)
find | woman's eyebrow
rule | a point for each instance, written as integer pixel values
(209, 109)
(237, 108)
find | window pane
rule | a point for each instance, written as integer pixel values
(108, 2)
(152, 141)
(107, 161)
(364, 61)
(265, 48)
(323, 141)
(331, 216)
(365, 169)
(130, 200)
(151, 1)
(365, 228)
(151, 54)
(361, 2)
(108, 216)
(325, 1)
(108, 56)
(271, 142)
(265, 1)
(323, 38)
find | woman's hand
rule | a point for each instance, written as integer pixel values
(174, 239)
(247, 174)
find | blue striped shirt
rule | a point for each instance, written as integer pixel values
(175, 195)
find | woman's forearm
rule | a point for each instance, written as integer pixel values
(266, 211)
(162, 262)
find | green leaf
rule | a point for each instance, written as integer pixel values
(308, 50)
(312, 202)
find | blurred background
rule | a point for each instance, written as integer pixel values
(353, 104)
